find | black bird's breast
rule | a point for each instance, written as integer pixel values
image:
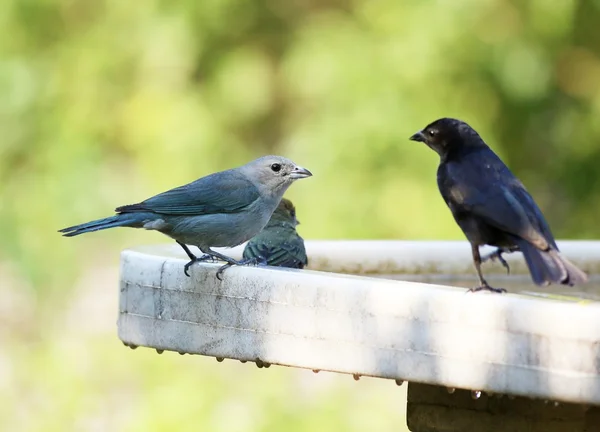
(464, 185)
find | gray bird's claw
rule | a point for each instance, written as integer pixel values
(247, 262)
(205, 257)
(258, 261)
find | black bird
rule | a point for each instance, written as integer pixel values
(278, 243)
(492, 206)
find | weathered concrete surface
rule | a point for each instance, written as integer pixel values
(381, 257)
(423, 333)
(434, 409)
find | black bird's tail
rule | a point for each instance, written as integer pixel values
(119, 220)
(550, 266)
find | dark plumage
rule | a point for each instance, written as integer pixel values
(278, 243)
(492, 206)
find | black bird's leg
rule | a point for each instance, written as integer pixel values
(497, 255)
(193, 258)
(483, 285)
(230, 261)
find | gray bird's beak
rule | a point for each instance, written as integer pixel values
(300, 172)
(418, 137)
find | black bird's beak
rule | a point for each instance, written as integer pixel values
(419, 136)
(299, 173)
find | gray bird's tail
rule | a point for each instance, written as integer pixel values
(119, 220)
(550, 266)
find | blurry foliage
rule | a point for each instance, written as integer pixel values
(108, 102)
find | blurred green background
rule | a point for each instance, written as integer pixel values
(104, 103)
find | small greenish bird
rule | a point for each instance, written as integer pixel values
(278, 243)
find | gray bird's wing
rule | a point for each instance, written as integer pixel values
(222, 192)
(278, 248)
(491, 192)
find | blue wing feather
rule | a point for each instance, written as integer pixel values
(222, 192)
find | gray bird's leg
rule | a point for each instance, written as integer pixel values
(230, 261)
(483, 285)
(193, 258)
(497, 255)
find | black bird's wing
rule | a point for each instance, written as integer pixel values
(222, 192)
(280, 248)
(482, 185)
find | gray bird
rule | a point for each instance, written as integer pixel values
(278, 243)
(223, 209)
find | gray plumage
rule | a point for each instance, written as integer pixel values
(279, 243)
(223, 209)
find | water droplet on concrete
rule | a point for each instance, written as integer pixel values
(451, 390)
(316, 370)
(475, 394)
(132, 346)
(266, 365)
(159, 351)
(181, 353)
(243, 361)
(259, 363)
(356, 377)
(219, 359)
(399, 382)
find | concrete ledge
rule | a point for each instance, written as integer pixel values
(423, 333)
(392, 257)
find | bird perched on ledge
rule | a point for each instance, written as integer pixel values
(278, 243)
(223, 209)
(492, 206)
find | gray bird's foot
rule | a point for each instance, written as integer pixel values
(486, 287)
(205, 257)
(249, 261)
(497, 255)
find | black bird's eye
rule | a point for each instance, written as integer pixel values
(432, 132)
(276, 167)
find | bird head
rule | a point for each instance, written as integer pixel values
(285, 212)
(275, 173)
(446, 135)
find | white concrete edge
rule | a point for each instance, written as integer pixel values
(410, 257)
(367, 326)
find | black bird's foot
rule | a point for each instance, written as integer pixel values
(249, 261)
(205, 257)
(486, 287)
(497, 255)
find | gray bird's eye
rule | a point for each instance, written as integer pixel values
(276, 167)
